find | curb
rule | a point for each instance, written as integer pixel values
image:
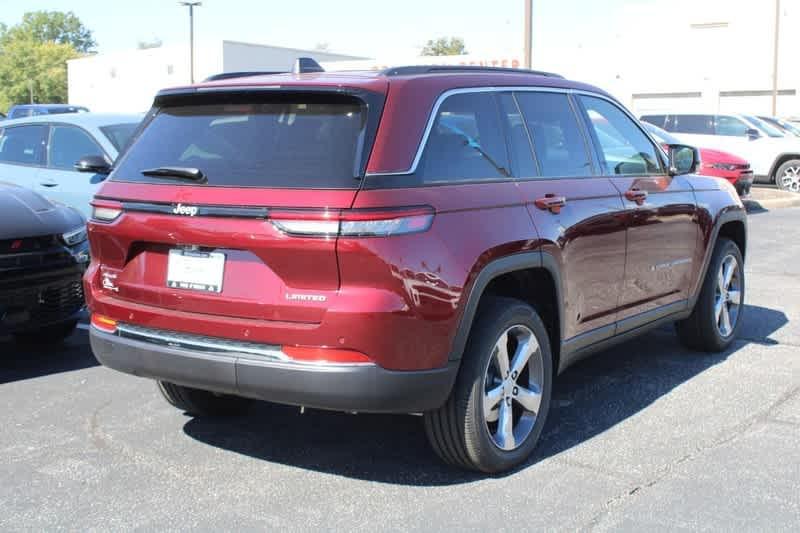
(770, 203)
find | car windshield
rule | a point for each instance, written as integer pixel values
(764, 127)
(119, 134)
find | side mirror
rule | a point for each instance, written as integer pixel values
(683, 159)
(93, 163)
(753, 134)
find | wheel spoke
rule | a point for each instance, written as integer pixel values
(523, 354)
(490, 401)
(505, 427)
(501, 355)
(725, 327)
(721, 280)
(735, 297)
(718, 309)
(529, 399)
(729, 270)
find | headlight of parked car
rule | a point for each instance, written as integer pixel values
(74, 237)
(724, 166)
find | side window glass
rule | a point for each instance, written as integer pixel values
(466, 142)
(67, 145)
(23, 145)
(731, 126)
(697, 124)
(557, 139)
(521, 149)
(625, 148)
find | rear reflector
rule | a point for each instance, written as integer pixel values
(325, 355)
(353, 222)
(103, 323)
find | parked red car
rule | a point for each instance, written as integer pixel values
(437, 240)
(714, 163)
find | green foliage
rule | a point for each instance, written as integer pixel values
(445, 46)
(34, 54)
(54, 26)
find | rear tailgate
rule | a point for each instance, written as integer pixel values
(209, 246)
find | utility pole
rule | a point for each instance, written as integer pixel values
(528, 33)
(775, 58)
(191, 6)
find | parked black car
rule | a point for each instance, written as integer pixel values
(43, 254)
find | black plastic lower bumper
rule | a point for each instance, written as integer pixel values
(29, 305)
(364, 388)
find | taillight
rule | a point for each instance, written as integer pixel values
(104, 323)
(353, 222)
(105, 211)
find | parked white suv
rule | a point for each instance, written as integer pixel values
(772, 156)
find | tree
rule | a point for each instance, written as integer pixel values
(30, 68)
(53, 26)
(445, 46)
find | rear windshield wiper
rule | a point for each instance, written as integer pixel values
(182, 173)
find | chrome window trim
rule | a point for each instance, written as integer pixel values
(492, 89)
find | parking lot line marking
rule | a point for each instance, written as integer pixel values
(83, 326)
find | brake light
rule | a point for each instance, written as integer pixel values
(325, 355)
(104, 323)
(105, 211)
(353, 222)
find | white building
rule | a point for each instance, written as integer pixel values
(127, 81)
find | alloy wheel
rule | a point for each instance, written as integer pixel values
(790, 180)
(728, 298)
(513, 382)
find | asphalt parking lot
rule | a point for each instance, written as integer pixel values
(646, 436)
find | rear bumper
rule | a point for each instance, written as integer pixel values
(361, 387)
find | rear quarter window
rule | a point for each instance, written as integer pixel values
(303, 142)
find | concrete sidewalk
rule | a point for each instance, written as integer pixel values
(766, 198)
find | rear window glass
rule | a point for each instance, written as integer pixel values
(313, 143)
(119, 134)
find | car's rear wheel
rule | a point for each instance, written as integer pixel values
(48, 335)
(498, 406)
(717, 315)
(199, 402)
(788, 176)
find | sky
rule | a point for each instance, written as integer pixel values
(359, 27)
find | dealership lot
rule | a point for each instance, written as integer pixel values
(644, 436)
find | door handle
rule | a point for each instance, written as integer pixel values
(551, 202)
(636, 195)
(48, 184)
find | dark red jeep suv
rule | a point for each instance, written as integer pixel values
(426, 240)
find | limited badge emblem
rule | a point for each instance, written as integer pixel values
(188, 210)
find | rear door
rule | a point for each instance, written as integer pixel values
(578, 215)
(258, 232)
(663, 226)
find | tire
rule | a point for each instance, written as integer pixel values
(48, 335)
(462, 432)
(197, 402)
(787, 177)
(703, 331)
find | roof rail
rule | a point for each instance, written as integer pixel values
(429, 69)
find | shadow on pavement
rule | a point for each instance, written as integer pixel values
(18, 361)
(588, 399)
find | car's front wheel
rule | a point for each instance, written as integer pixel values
(497, 409)
(199, 402)
(788, 176)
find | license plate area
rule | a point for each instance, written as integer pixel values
(195, 270)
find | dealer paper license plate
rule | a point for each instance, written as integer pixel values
(198, 271)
